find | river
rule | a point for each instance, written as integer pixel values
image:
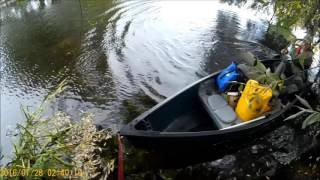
(114, 52)
(120, 57)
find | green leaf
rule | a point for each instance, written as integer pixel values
(294, 115)
(261, 78)
(306, 110)
(261, 67)
(304, 102)
(313, 118)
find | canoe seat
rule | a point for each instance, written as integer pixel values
(217, 107)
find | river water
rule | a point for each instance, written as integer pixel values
(120, 57)
(115, 53)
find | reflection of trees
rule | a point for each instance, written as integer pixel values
(43, 46)
(226, 45)
(92, 67)
(6, 3)
(235, 2)
(42, 4)
(224, 50)
(39, 42)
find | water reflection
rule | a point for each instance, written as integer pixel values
(118, 55)
(238, 3)
(225, 47)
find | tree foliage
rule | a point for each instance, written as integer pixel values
(290, 13)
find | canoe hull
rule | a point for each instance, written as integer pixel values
(209, 139)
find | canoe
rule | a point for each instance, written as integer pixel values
(186, 119)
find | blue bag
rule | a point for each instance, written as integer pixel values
(228, 74)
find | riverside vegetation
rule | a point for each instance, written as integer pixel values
(59, 143)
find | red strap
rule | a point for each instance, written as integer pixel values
(298, 50)
(120, 159)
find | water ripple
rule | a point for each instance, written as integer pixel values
(128, 49)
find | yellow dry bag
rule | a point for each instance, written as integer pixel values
(254, 101)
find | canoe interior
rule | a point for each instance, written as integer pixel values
(185, 112)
